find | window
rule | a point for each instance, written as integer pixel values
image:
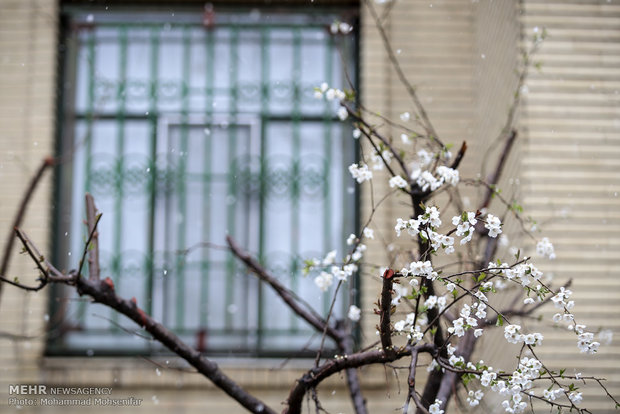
(185, 133)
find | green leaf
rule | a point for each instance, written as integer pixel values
(500, 321)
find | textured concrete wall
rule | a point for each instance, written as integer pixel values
(571, 171)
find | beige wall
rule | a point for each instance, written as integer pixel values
(27, 66)
(568, 169)
(571, 170)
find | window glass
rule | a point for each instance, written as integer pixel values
(184, 134)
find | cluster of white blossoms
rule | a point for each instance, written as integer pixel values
(397, 181)
(426, 180)
(513, 334)
(448, 175)
(465, 225)
(325, 279)
(520, 273)
(380, 159)
(474, 397)
(357, 254)
(424, 226)
(436, 301)
(340, 27)
(360, 173)
(544, 248)
(494, 225)
(467, 321)
(521, 380)
(585, 340)
(420, 268)
(435, 407)
(324, 91)
(341, 273)
(414, 333)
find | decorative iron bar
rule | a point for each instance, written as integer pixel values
(185, 134)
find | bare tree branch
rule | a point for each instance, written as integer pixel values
(103, 291)
(385, 311)
(286, 295)
(92, 219)
(19, 216)
(316, 375)
(493, 179)
(401, 75)
(353, 381)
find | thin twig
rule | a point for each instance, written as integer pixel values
(285, 294)
(21, 212)
(92, 250)
(401, 75)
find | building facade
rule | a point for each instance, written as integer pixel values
(137, 97)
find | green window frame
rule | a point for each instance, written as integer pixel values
(185, 133)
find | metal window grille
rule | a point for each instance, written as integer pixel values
(186, 133)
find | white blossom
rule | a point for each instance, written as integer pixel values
(412, 226)
(397, 181)
(544, 248)
(345, 28)
(425, 157)
(400, 291)
(358, 253)
(494, 225)
(354, 313)
(324, 280)
(360, 173)
(474, 397)
(400, 325)
(405, 116)
(379, 160)
(329, 258)
(435, 408)
(551, 395)
(431, 216)
(369, 233)
(448, 175)
(606, 336)
(487, 377)
(351, 239)
(512, 334)
(421, 268)
(458, 327)
(575, 397)
(464, 228)
(427, 181)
